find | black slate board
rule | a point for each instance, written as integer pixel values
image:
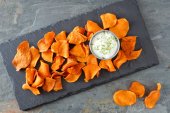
(127, 9)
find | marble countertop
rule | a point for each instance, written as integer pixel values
(18, 17)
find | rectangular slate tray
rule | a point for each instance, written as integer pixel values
(127, 8)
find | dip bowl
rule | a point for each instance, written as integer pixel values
(104, 45)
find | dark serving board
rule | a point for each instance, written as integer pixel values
(127, 9)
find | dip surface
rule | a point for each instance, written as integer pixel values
(104, 44)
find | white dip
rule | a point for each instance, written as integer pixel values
(104, 45)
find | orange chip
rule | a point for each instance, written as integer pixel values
(92, 26)
(121, 28)
(92, 59)
(73, 77)
(79, 29)
(76, 68)
(108, 20)
(78, 50)
(61, 36)
(90, 71)
(39, 81)
(30, 75)
(23, 56)
(61, 47)
(107, 64)
(124, 98)
(58, 84)
(48, 84)
(35, 91)
(71, 61)
(44, 43)
(76, 38)
(128, 44)
(137, 88)
(120, 59)
(35, 55)
(58, 61)
(44, 69)
(90, 36)
(47, 56)
(134, 54)
(153, 97)
(57, 73)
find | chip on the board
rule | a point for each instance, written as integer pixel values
(73, 77)
(71, 61)
(107, 64)
(120, 59)
(35, 55)
(30, 75)
(153, 97)
(61, 36)
(108, 20)
(23, 56)
(76, 68)
(92, 27)
(90, 71)
(78, 50)
(44, 70)
(45, 42)
(47, 56)
(58, 61)
(76, 38)
(49, 84)
(35, 91)
(121, 28)
(61, 48)
(58, 84)
(124, 98)
(79, 29)
(39, 81)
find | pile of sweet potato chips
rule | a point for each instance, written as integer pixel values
(68, 56)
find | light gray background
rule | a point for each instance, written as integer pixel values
(22, 16)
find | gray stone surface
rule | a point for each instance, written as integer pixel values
(22, 16)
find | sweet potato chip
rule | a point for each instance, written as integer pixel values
(92, 60)
(137, 88)
(61, 36)
(58, 61)
(78, 51)
(120, 59)
(121, 28)
(35, 91)
(30, 75)
(90, 36)
(92, 26)
(73, 77)
(86, 51)
(44, 43)
(107, 64)
(57, 73)
(39, 81)
(76, 38)
(134, 55)
(153, 97)
(23, 56)
(90, 70)
(48, 84)
(44, 69)
(35, 55)
(128, 44)
(61, 47)
(47, 56)
(58, 84)
(108, 20)
(76, 68)
(79, 29)
(124, 98)
(71, 61)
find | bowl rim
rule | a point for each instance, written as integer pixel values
(117, 40)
